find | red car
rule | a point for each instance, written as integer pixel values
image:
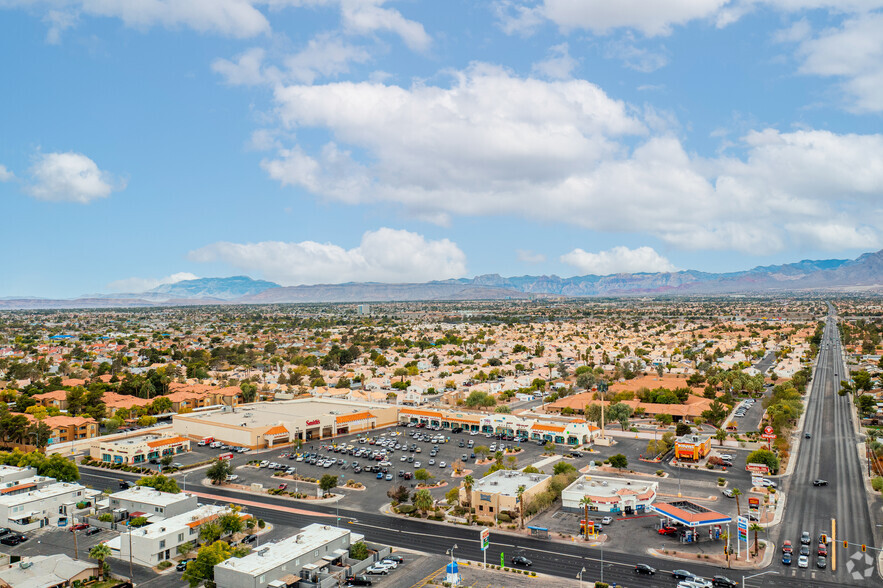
(668, 531)
(786, 547)
(823, 549)
(78, 527)
(283, 486)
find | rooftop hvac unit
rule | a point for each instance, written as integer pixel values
(263, 551)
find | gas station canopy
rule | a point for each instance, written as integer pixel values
(690, 514)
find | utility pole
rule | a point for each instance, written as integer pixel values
(131, 571)
(76, 551)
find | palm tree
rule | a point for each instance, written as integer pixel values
(736, 494)
(721, 436)
(468, 481)
(756, 528)
(586, 502)
(520, 494)
(100, 552)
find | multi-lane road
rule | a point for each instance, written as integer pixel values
(830, 454)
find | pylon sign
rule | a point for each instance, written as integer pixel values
(485, 538)
(743, 528)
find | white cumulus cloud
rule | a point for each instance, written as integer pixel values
(70, 177)
(618, 260)
(492, 143)
(136, 285)
(527, 256)
(384, 255)
(5, 174)
(558, 66)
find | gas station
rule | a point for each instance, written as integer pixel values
(694, 518)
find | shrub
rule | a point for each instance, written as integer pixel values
(877, 483)
(407, 508)
(660, 473)
(163, 565)
(504, 518)
(601, 585)
(105, 518)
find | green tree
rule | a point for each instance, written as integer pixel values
(185, 548)
(452, 496)
(112, 424)
(146, 421)
(619, 461)
(249, 391)
(161, 483)
(160, 405)
(100, 552)
(202, 569)
(683, 428)
(562, 467)
(764, 456)
(664, 419)
(520, 495)
(359, 551)
(210, 532)
(720, 435)
(468, 482)
(137, 522)
(619, 412)
(423, 500)
(231, 521)
(423, 475)
(219, 471)
(399, 494)
(593, 413)
(479, 399)
(40, 433)
(327, 483)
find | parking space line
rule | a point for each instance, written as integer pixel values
(422, 582)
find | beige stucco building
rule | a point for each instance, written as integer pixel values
(498, 492)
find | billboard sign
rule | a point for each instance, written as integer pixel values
(753, 503)
(485, 538)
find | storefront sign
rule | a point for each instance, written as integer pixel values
(313, 422)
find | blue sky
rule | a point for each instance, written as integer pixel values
(316, 141)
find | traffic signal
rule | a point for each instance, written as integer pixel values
(845, 544)
(864, 547)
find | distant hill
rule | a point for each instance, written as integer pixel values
(217, 288)
(843, 275)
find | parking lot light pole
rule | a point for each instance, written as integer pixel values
(756, 575)
(580, 576)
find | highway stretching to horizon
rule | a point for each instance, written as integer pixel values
(830, 454)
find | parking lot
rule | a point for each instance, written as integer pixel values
(396, 452)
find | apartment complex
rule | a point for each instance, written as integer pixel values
(302, 556)
(156, 505)
(40, 506)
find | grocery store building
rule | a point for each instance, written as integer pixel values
(266, 424)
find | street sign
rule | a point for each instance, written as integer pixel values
(757, 468)
(485, 538)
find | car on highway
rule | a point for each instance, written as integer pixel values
(520, 560)
(803, 561)
(805, 538)
(723, 582)
(645, 569)
(682, 574)
(820, 482)
(823, 549)
(804, 550)
(807, 435)
(821, 562)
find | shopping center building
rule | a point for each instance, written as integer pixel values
(560, 430)
(265, 424)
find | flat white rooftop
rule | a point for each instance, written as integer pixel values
(178, 522)
(273, 555)
(262, 414)
(506, 482)
(148, 495)
(603, 487)
(50, 491)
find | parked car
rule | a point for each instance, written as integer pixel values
(396, 558)
(645, 569)
(723, 582)
(728, 493)
(92, 531)
(358, 581)
(667, 531)
(377, 570)
(249, 539)
(520, 560)
(78, 527)
(182, 565)
(5, 531)
(387, 563)
(13, 539)
(607, 520)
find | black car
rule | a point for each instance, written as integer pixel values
(92, 531)
(5, 531)
(125, 484)
(681, 575)
(396, 558)
(358, 581)
(13, 539)
(520, 560)
(820, 482)
(723, 582)
(182, 565)
(645, 569)
(249, 539)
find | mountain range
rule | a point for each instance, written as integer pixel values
(864, 273)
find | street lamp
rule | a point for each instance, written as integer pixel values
(184, 480)
(580, 576)
(756, 575)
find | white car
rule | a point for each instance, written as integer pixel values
(299, 458)
(802, 562)
(726, 456)
(767, 483)
(607, 520)
(388, 563)
(264, 463)
(377, 569)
